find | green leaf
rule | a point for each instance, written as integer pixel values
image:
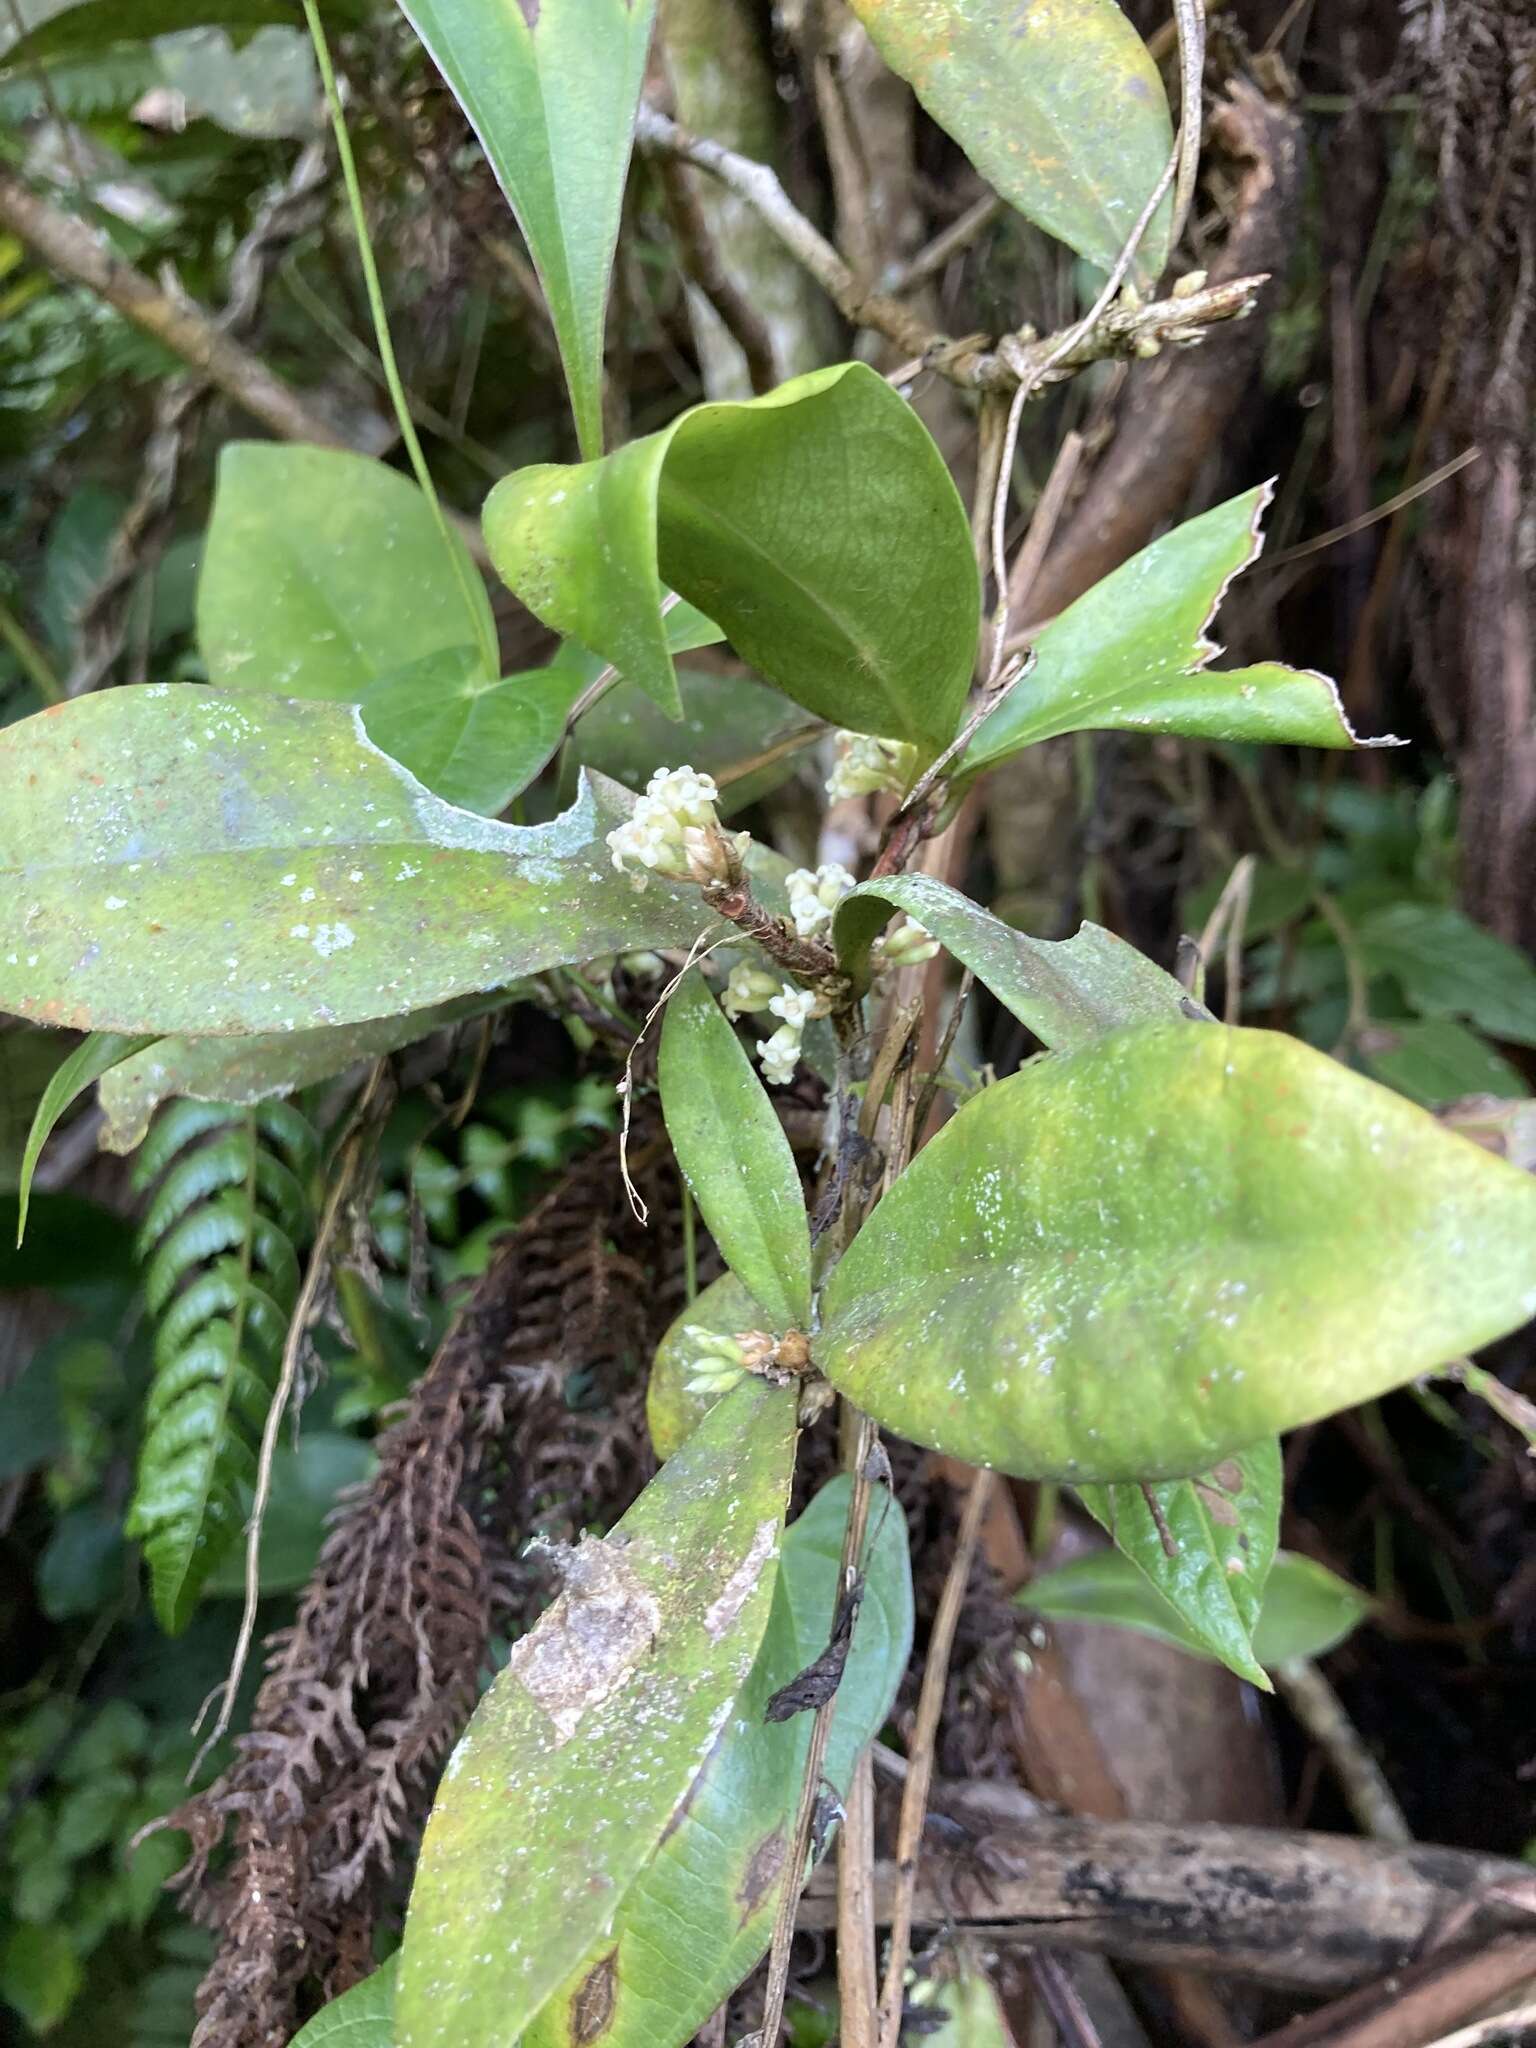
(92, 1058)
(40, 1974)
(551, 87)
(96, 26)
(1224, 1526)
(307, 1479)
(1131, 1261)
(1449, 967)
(324, 571)
(241, 1071)
(267, 88)
(361, 2018)
(176, 859)
(734, 1155)
(974, 2019)
(699, 1918)
(727, 721)
(673, 1410)
(1306, 1610)
(818, 525)
(586, 1746)
(477, 743)
(1131, 656)
(1436, 1060)
(1060, 108)
(221, 1275)
(1068, 991)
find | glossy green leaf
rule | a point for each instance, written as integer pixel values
(1449, 967)
(1435, 1060)
(734, 1155)
(363, 2017)
(477, 743)
(241, 1071)
(1059, 107)
(818, 525)
(1132, 655)
(701, 1915)
(1306, 1610)
(588, 1743)
(92, 1058)
(176, 859)
(323, 571)
(1068, 991)
(1131, 1261)
(1224, 1527)
(551, 87)
(673, 1409)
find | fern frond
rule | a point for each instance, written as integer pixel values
(221, 1273)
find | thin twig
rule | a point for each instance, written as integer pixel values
(625, 1090)
(701, 262)
(477, 613)
(1321, 1712)
(920, 1754)
(304, 1309)
(1189, 16)
(816, 1756)
(950, 242)
(1044, 521)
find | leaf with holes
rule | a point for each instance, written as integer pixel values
(227, 1208)
(585, 1749)
(1133, 1260)
(818, 525)
(323, 571)
(1306, 1611)
(181, 860)
(1133, 655)
(734, 1154)
(1059, 107)
(551, 87)
(1068, 991)
(699, 1919)
(1223, 1528)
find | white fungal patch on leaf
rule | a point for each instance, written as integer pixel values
(734, 1594)
(591, 1639)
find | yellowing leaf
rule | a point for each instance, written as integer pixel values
(1130, 1261)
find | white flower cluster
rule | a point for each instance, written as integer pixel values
(749, 988)
(814, 896)
(674, 832)
(866, 764)
(719, 1360)
(780, 1054)
(908, 946)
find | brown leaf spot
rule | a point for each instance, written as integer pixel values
(530, 10)
(761, 1873)
(592, 2007)
(1217, 1506)
(1228, 1475)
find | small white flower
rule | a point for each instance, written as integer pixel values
(796, 1006)
(814, 896)
(866, 764)
(779, 1055)
(749, 988)
(673, 831)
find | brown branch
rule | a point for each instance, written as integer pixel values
(701, 263)
(1310, 1911)
(67, 246)
(1123, 331)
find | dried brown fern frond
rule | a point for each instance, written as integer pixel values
(528, 1418)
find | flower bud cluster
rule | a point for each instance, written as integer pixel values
(719, 1360)
(814, 896)
(674, 832)
(908, 946)
(866, 764)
